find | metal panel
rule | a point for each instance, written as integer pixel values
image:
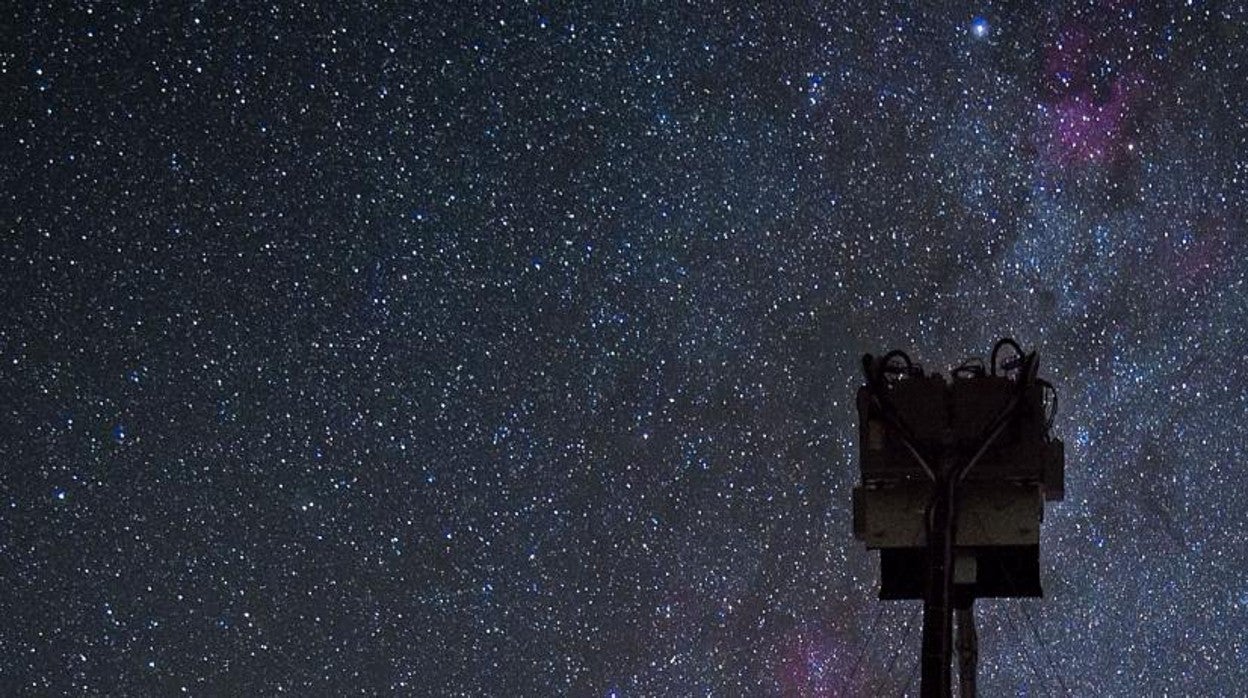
(988, 515)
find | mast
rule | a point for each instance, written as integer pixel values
(955, 474)
(938, 601)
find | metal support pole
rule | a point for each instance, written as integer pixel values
(968, 650)
(938, 598)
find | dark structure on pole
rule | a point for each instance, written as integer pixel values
(955, 474)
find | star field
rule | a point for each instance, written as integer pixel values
(511, 350)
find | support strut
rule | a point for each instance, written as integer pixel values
(938, 599)
(968, 650)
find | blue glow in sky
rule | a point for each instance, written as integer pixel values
(980, 27)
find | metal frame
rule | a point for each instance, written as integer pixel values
(938, 610)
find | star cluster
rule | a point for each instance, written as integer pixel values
(476, 350)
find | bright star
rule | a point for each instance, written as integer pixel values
(979, 27)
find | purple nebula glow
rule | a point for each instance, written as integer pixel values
(814, 662)
(1086, 120)
(1083, 130)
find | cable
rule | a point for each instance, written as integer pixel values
(887, 411)
(1051, 412)
(885, 363)
(879, 611)
(900, 646)
(1022, 648)
(1004, 341)
(1002, 422)
(914, 670)
(1048, 656)
(972, 367)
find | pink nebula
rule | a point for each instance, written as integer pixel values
(815, 663)
(1086, 120)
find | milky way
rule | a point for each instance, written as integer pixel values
(511, 351)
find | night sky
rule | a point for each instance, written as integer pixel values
(512, 350)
